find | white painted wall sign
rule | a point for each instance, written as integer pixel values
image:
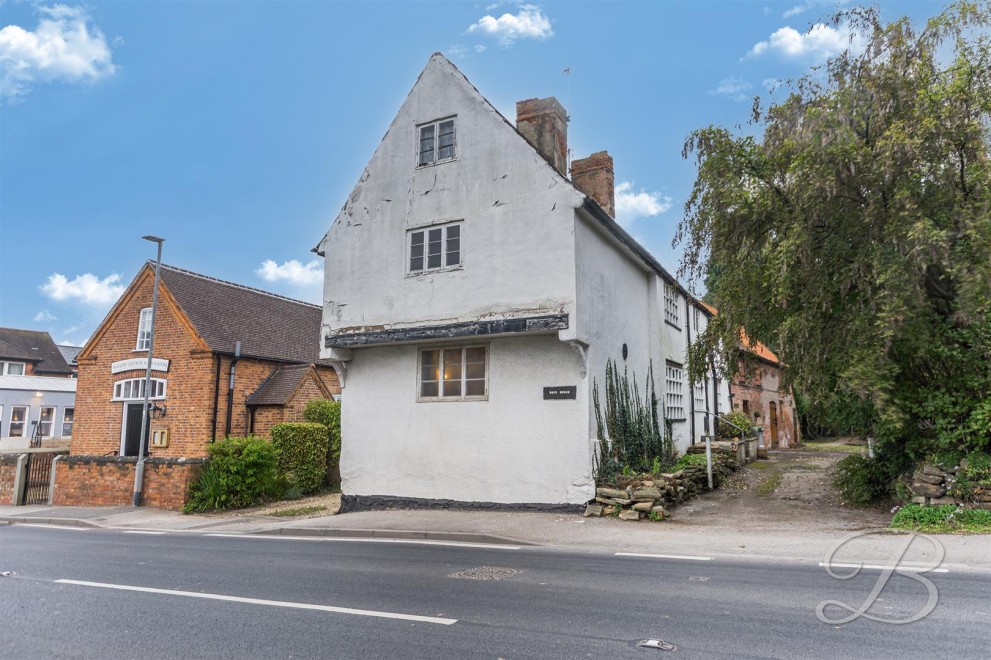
(157, 364)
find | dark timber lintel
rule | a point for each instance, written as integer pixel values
(450, 331)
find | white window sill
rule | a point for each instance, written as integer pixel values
(434, 271)
(436, 163)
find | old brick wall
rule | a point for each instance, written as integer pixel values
(754, 396)
(109, 481)
(8, 465)
(248, 376)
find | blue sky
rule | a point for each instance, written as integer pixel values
(236, 130)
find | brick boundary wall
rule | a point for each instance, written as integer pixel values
(8, 468)
(109, 481)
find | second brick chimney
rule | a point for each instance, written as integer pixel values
(594, 177)
(544, 123)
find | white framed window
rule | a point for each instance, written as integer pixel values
(46, 421)
(700, 395)
(434, 248)
(671, 305)
(1, 421)
(696, 314)
(68, 417)
(453, 374)
(134, 388)
(18, 421)
(674, 392)
(12, 368)
(436, 141)
(144, 330)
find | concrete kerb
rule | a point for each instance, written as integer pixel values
(40, 520)
(456, 537)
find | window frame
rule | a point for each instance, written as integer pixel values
(462, 348)
(674, 398)
(24, 424)
(672, 310)
(435, 124)
(444, 228)
(50, 422)
(120, 389)
(5, 368)
(701, 402)
(141, 323)
(68, 410)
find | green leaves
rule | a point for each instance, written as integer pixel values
(302, 450)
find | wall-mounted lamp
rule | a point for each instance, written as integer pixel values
(38, 394)
(158, 412)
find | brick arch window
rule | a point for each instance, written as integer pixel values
(134, 388)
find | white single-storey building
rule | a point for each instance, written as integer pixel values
(473, 294)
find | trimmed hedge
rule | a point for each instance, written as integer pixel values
(302, 453)
(241, 472)
(328, 413)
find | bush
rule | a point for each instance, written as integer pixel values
(302, 454)
(737, 420)
(944, 518)
(241, 472)
(862, 480)
(328, 413)
(689, 460)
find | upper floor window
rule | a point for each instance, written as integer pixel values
(695, 317)
(674, 395)
(671, 305)
(434, 248)
(144, 330)
(11, 368)
(453, 374)
(436, 142)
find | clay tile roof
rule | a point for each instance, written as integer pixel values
(751, 346)
(268, 326)
(277, 388)
(33, 346)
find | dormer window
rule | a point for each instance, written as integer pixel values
(144, 330)
(436, 142)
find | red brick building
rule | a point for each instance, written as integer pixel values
(228, 360)
(762, 396)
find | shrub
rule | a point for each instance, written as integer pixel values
(862, 480)
(241, 472)
(944, 518)
(689, 460)
(302, 453)
(737, 420)
(328, 413)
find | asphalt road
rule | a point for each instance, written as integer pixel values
(111, 594)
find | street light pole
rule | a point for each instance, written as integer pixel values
(139, 469)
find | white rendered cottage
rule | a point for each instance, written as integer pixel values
(472, 293)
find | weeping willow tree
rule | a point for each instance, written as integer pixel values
(851, 229)
(630, 431)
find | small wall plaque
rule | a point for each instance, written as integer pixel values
(561, 392)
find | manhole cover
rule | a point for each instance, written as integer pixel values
(485, 573)
(658, 644)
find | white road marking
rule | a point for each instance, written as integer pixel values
(261, 601)
(47, 526)
(875, 567)
(342, 539)
(141, 531)
(640, 554)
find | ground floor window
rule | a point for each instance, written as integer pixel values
(18, 421)
(134, 388)
(453, 374)
(68, 415)
(45, 421)
(674, 394)
(700, 396)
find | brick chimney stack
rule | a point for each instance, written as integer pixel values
(544, 123)
(594, 177)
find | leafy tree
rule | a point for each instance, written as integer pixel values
(852, 231)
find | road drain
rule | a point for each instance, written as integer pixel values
(485, 573)
(658, 644)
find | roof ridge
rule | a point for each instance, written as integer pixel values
(236, 285)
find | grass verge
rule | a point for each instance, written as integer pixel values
(943, 519)
(298, 511)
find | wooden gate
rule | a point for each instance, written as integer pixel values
(39, 478)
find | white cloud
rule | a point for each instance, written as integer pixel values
(528, 23)
(796, 10)
(65, 47)
(292, 271)
(735, 88)
(819, 43)
(631, 205)
(43, 316)
(86, 288)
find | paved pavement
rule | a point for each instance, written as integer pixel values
(779, 543)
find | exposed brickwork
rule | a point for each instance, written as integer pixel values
(544, 123)
(594, 177)
(109, 481)
(8, 465)
(755, 396)
(309, 389)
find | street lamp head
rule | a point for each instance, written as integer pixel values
(154, 239)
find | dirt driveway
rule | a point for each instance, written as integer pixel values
(792, 490)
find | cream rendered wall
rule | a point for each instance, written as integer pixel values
(515, 447)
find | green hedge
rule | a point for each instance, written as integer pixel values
(328, 413)
(302, 454)
(241, 472)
